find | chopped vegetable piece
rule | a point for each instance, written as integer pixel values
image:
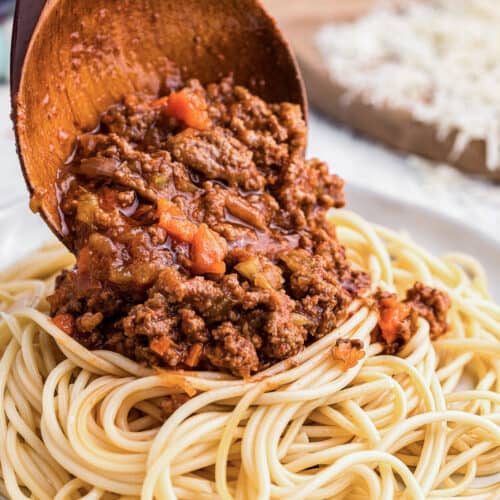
(83, 260)
(295, 260)
(159, 345)
(349, 352)
(267, 276)
(87, 205)
(273, 275)
(208, 251)
(168, 207)
(241, 209)
(261, 281)
(160, 180)
(392, 314)
(120, 275)
(300, 319)
(194, 355)
(179, 229)
(188, 107)
(174, 222)
(249, 267)
(65, 322)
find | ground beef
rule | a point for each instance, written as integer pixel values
(232, 349)
(200, 234)
(430, 304)
(398, 320)
(217, 154)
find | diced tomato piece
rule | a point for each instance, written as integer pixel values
(194, 355)
(186, 106)
(83, 260)
(160, 345)
(65, 322)
(178, 228)
(208, 251)
(174, 221)
(213, 268)
(168, 207)
(349, 352)
(392, 314)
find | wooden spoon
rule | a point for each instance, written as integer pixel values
(85, 55)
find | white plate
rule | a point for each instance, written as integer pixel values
(22, 232)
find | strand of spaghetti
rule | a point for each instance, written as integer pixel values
(32, 439)
(436, 456)
(8, 474)
(192, 431)
(437, 266)
(99, 365)
(74, 419)
(80, 438)
(157, 458)
(478, 346)
(34, 480)
(464, 458)
(362, 457)
(227, 436)
(343, 218)
(390, 439)
(61, 449)
(69, 489)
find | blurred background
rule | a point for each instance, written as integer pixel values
(317, 29)
(353, 42)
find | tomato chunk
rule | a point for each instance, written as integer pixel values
(160, 345)
(186, 106)
(349, 352)
(83, 260)
(208, 251)
(392, 314)
(194, 355)
(165, 206)
(174, 222)
(177, 228)
(64, 322)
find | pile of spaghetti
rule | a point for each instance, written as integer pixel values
(77, 423)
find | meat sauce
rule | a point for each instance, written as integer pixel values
(200, 234)
(398, 320)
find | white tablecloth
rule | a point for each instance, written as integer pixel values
(357, 160)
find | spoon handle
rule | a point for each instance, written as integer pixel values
(26, 16)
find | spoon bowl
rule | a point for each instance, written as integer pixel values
(85, 55)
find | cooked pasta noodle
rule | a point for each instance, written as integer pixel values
(423, 424)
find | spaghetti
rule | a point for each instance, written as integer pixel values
(76, 423)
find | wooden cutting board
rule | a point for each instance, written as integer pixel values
(300, 20)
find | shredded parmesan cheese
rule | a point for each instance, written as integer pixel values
(438, 59)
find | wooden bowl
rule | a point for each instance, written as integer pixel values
(85, 55)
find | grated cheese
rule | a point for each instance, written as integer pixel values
(438, 59)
